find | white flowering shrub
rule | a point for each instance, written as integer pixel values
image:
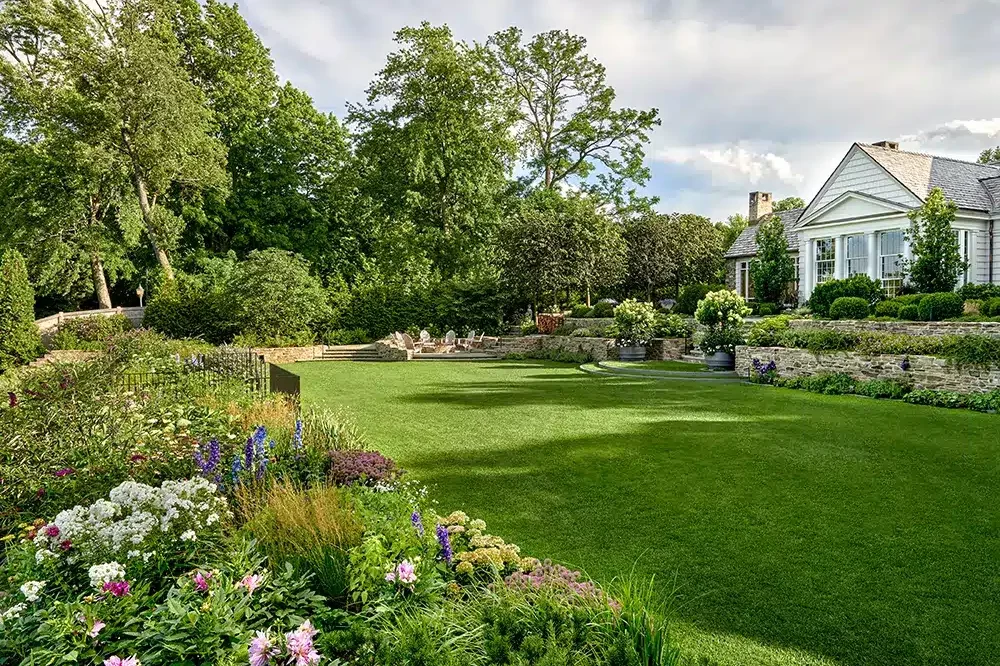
(722, 312)
(136, 523)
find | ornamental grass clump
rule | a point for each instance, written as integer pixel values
(311, 529)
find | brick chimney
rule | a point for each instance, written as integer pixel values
(761, 204)
(890, 145)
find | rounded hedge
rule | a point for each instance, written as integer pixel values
(909, 312)
(602, 310)
(943, 305)
(990, 307)
(849, 307)
(687, 301)
(860, 286)
(767, 309)
(580, 311)
(888, 308)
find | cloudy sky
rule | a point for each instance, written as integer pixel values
(753, 95)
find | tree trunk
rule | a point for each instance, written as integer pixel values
(147, 211)
(100, 282)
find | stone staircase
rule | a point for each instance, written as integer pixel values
(694, 356)
(351, 353)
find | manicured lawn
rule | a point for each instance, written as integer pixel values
(669, 366)
(794, 528)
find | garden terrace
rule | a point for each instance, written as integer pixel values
(794, 528)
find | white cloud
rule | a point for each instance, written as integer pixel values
(734, 163)
(955, 136)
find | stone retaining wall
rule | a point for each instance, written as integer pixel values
(281, 355)
(573, 323)
(49, 326)
(388, 352)
(991, 328)
(924, 372)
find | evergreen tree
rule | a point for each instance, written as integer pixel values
(937, 260)
(773, 268)
(19, 340)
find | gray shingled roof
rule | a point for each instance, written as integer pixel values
(745, 244)
(959, 180)
(992, 186)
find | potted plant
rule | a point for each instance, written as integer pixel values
(634, 325)
(722, 312)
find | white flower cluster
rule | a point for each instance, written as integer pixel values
(105, 573)
(13, 612)
(723, 308)
(32, 589)
(135, 521)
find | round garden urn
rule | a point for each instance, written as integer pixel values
(631, 353)
(720, 361)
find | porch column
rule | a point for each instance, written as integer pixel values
(739, 276)
(808, 270)
(840, 261)
(973, 238)
(873, 255)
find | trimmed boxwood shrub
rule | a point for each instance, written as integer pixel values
(687, 302)
(940, 306)
(860, 286)
(888, 308)
(990, 307)
(910, 299)
(909, 312)
(979, 292)
(580, 311)
(849, 307)
(602, 310)
(767, 309)
(769, 332)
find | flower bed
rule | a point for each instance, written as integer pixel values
(232, 530)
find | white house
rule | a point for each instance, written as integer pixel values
(856, 222)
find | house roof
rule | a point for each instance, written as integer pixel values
(992, 186)
(960, 181)
(745, 244)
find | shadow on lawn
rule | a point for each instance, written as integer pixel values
(769, 539)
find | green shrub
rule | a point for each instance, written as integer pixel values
(888, 308)
(818, 339)
(990, 307)
(829, 383)
(274, 295)
(671, 326)
(349, 336)
(910, 299)
(580, 311)
(19, 338)
(940, 306)
(93, 333)
(767, 309)
(195, 305)
(769, 332)
(910, 312)
(860, 286)
(602, 310)
(635, 322)
(971, 350)
(888, 389)
(948, 399)
(581, 333)
(563, 330)
(898, 343)
(850, 307)
(979, 292)
(687, 301)
(529, 328)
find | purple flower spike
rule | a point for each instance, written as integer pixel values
(417, 523)
(445, 541)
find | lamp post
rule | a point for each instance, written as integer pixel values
(140, 292)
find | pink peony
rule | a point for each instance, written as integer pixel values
(52, 531)
(406, 573)
(201, 581)
(118, 661)
(261, 649)
(251, 582)
(299, 645)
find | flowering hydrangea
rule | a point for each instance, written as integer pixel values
(559, 580)
(135, 520)
(13, 612)
(119, 661)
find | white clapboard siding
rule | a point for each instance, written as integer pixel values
(862, 174)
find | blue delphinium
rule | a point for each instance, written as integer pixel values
(445, 541)
(297, 437)
(417, 523)
(208, 460)
(237, 467)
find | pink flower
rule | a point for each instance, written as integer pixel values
(137, 457)
(65, 471)
(66, 545)
(299, 645)
(52, 531)
(96, 629)
(201, 581)
(251, 582)
(117, 588)
(406, 573)
(391, 576)
(261, 649)
(118, 661)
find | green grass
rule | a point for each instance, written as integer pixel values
(668, 366)
(796, 528)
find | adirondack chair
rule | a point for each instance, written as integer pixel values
(408, 343)
(449, 341)
(425, 336)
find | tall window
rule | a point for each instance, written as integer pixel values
(890, 251)
(964, 249)
(746, 288)
(826, 260)
(857, 255)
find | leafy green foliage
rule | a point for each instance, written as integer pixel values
(936, 307)
(889, 308)
(635, 322)
(909, 312)
(990, 307)
(860, 286)
(580, 311)
(788, 203)
(672, 326)
(687, 301)
(773, 268)
(722, 312)
(93, 333)
(769, 332)
(850, 307)
(979, 292)
(19, 339)
(602, 310)
(937, 260)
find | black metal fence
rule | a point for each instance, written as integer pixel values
(219, 367)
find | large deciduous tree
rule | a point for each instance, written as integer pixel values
(569, 128)
(937, 260)
(990, 156)
(788, 203)
(650, 262)
(436, 146)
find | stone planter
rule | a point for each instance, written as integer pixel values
(631, 353)
(720, 361)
